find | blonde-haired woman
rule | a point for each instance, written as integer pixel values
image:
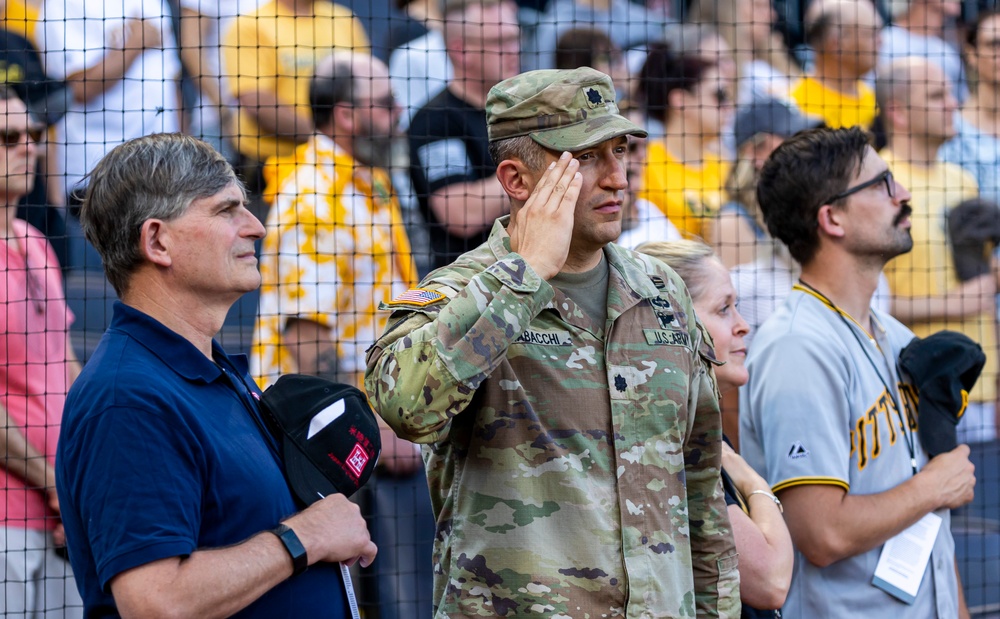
(762, 539)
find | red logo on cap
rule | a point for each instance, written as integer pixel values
(357, 460)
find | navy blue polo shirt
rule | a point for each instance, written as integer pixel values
(159, 455)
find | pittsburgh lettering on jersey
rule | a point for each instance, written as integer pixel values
(869, 445)
(662, 337)
(545, 338)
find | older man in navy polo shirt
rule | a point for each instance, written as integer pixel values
(172, 491)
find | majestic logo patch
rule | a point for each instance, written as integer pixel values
(357, 460)
(797, 451)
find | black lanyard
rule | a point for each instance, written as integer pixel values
(844, 316)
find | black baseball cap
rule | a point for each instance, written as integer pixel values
(771, 116)
(329, 436)
(944, 367)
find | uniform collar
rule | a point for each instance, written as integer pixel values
(629, 280)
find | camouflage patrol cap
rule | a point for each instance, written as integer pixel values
(561, 110)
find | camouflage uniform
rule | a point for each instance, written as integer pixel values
(574, 467)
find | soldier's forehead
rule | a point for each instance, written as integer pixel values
(615, 141)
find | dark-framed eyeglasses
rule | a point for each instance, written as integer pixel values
(12, 137)
(884, 177)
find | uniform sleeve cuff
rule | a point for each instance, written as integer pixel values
(514, 272)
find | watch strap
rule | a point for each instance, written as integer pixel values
(300, 560)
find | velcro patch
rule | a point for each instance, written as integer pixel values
(416, 297)
(545, 338)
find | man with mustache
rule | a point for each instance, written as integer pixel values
(928, 295)
(827, 418)
(335, 247)
(561, 386)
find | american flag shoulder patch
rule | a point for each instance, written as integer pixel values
(419, 297)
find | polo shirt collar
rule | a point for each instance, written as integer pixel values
(173, 350)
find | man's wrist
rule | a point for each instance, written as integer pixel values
(768, 495)
(294, 547)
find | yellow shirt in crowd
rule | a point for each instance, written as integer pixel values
(837, 109)
(275, 50)
(335, 248)
(21, 19)
(928, 270)
(686, 194)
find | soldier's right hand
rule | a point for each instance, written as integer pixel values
(333, 530)
(541, 231)
(954, 477)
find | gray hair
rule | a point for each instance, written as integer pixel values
(153, 177)
(522, 148)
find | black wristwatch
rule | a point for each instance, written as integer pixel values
(300, 561)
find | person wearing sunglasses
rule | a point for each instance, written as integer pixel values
(37, 366)
(928, 294)
(828, 418)
(336, 247)
(684, 173)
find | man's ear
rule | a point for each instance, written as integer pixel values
(676, 98)
(829, 221)
(970, 56)
(896, 118)
(155, 242)
(516, 179)
(342, 119)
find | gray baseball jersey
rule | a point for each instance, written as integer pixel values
(816, 411)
